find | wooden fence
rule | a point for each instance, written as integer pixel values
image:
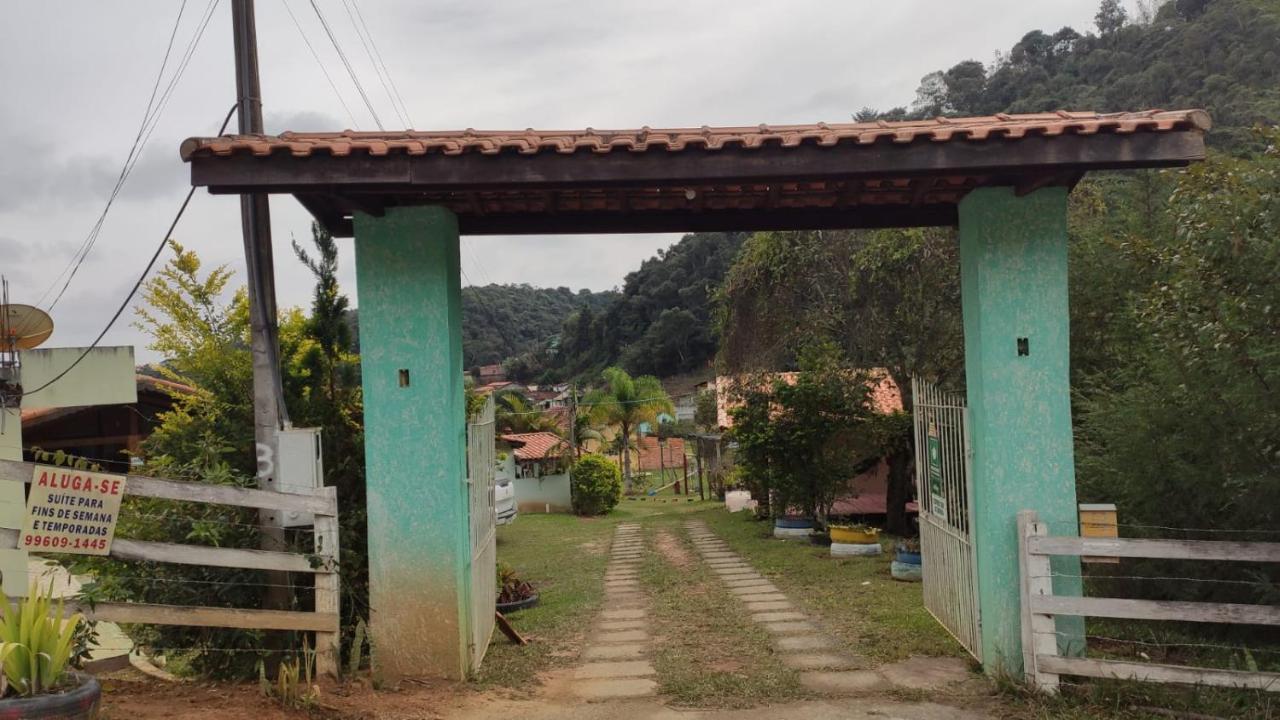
(323, 563)
(1043, 664)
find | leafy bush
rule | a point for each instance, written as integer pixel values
(596, 484)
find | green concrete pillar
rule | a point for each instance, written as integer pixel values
(1013, 260)
(410, 304)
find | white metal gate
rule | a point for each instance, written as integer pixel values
(480, 479)
(945, 494)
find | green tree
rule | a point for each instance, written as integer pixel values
(626, 402)
(706, 414)
(1111, 17)
(514, 413)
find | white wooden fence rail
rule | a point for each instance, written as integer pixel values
(1041, 661)
(323, 563)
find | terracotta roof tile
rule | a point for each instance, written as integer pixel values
(646, 139)
(536, 445)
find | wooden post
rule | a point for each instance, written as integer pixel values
(685, 458)
(1039, 634)
(328, 585)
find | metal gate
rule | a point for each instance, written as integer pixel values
(945, 494)
(480, 480)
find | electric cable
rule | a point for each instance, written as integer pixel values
(350, 116)
(347, 63)
(129, 298)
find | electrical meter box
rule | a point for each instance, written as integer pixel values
(299, 469)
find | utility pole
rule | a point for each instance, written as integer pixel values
(255, 221)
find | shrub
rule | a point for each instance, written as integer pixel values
(596, 485)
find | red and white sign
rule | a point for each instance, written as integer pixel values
(71, 511)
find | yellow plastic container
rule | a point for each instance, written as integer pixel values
(854, 536)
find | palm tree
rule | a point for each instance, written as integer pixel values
(515, 414)
(626, 402)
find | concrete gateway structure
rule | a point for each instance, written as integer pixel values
(407, 196)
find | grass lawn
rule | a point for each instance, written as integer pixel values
(564, 556)
(874, 615)
(708, 652)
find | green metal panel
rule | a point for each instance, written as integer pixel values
(1013, 256)
(409, 293)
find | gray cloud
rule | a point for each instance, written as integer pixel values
(77, 82)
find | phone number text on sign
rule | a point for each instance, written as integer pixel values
(72, 511)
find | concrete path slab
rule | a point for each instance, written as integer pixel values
(614, 625)
(843, 682)
(614, 669)
(747, 587)
(819, 661)
(622, 636)
(790, 627)
(800, 643)
(778, 616)
(613, 652)
(613, 689)
(924, 673)
(616, 614)
(773, 605)
(765, 595)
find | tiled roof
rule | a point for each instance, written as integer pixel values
(146, 383)
(536, 445)
(645, 139)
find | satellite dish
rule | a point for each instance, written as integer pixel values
(24, 326)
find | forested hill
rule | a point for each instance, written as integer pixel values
(1220, 55)
(661, 324)
(503, 321)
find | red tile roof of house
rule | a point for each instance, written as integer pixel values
(654, 455)
(537, 445)
(567, 142)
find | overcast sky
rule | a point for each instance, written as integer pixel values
(77, 76)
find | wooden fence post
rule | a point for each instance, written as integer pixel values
(1039, 633)
(328, 590)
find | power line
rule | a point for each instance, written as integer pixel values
(387, 72)
(129, 298)
(376, 71)
(149, 125)
(314, 54)
(146, 115)
(347, 63)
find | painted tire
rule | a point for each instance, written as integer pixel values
(79, 703)
(854, 549)
(908, 558)
(905, 572)
(793, 523)
(511, 607)
(849, 536)
(792, 533)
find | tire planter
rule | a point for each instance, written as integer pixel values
(792, 528)
(794, 523)
(503, 608)
(852, 536)
(905, 572)
(79, 703)
(839, 549)
(907, 558)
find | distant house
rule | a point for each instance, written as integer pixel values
(486, 374)
(538, 464)
(686, 406)
(885, 395)
(110, 435)
(653, 454)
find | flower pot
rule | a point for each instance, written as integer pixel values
(79, 701)
(794, 523)
(854, 536)
(505, 608)
(854, 549)
(907, 558)
(905, 572)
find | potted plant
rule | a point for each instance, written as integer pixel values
(906, 561)
(854, 540)
(36, 639)
(513, 593)
(792, 527)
